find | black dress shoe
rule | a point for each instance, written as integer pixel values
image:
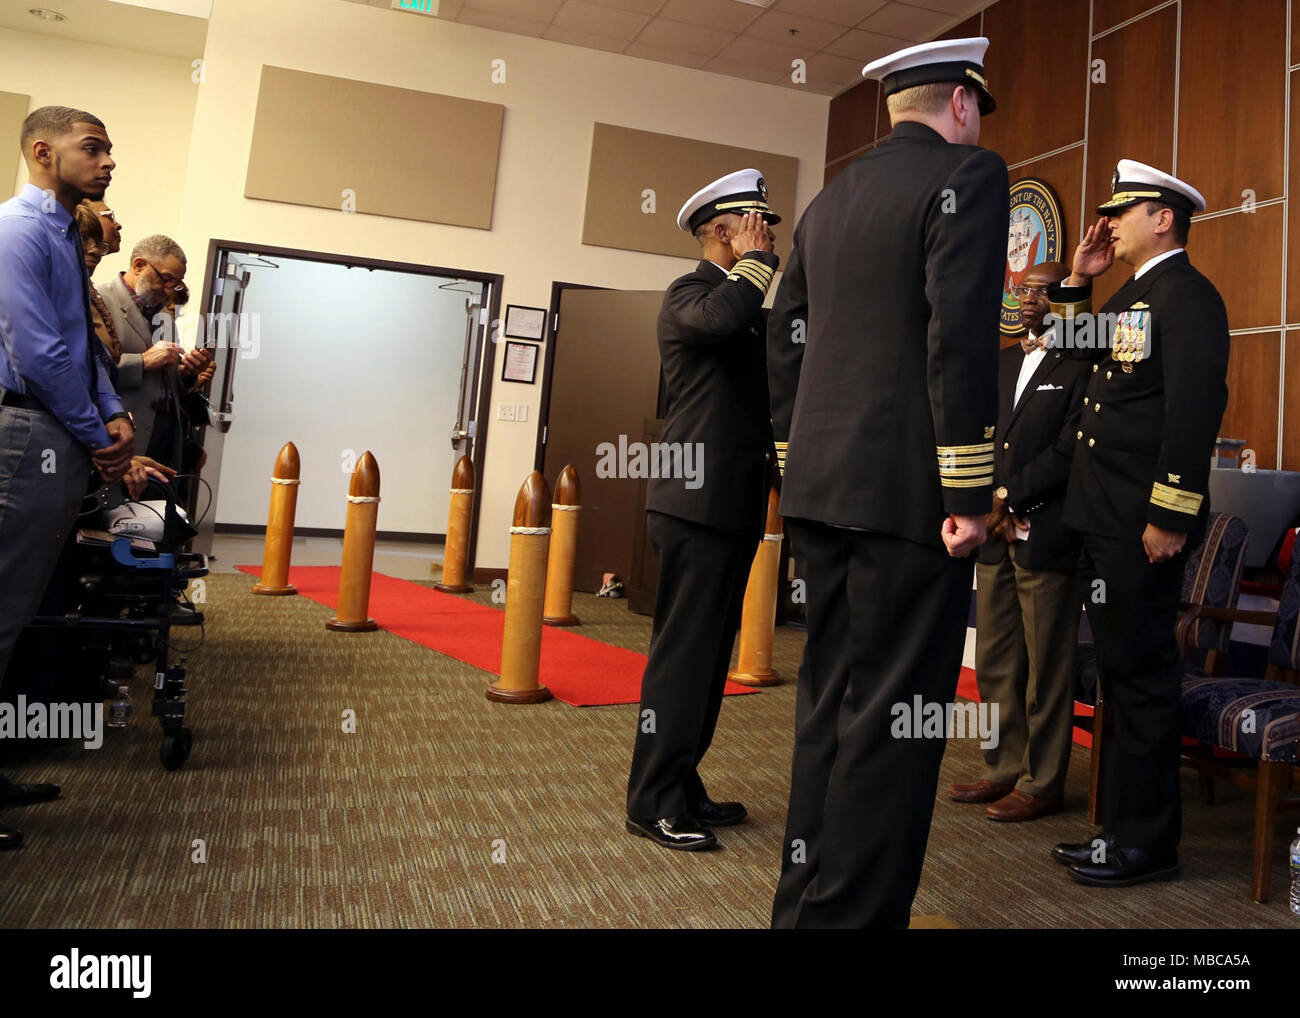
(718, 814)
(9, 838)
(681, 833)
(1126, 867)
(1067, 853)
(14, 794)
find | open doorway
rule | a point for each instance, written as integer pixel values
(340, 355)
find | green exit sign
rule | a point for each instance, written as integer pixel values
(416, 6)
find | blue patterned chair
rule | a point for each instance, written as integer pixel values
(1211, 578)
(1258, 719)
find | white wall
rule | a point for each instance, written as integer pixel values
(147, 104)
(346, 361)
(553, 94)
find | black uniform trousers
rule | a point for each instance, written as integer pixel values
(702, 575)
(1133, 617)
(887, 621)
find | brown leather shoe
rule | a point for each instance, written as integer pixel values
(1017, 806)
(978, 791)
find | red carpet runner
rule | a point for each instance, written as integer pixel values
(577, 669)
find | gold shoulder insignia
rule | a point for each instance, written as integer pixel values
(1140, 304)
(1175, 478)
(988, 432)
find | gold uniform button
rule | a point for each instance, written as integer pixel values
(1085, 400)
(1092, 441)
(1096, 408)
(1079, 435)
(1108, 374)
(1094, 368)
(1006, 445)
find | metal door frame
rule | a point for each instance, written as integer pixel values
(481, 381)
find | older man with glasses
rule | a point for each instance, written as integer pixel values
(148, 378)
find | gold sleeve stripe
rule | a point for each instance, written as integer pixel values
(754, 265)
(1179, 501)
(751, 274)
(978, 470)
(967, 459)
(967, 482)
(758, 281)
(1072, 309)
(754, 272)
(964, 450)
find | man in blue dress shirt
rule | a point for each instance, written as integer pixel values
(59, 415)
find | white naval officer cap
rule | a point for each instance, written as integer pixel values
(1134, 182)
(955, 60)
(739, 192)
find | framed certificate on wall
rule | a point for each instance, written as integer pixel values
(525, 323)
(520, 363)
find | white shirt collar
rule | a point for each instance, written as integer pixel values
(1150, 263)
(725, 272)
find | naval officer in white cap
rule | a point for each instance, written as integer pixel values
(882, 365)
(706, 521)
(1138, 493)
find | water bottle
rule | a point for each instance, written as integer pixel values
(119, 712)
(1295, 874)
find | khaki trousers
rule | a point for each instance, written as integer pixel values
(1027, 627)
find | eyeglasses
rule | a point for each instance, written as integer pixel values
(107, 214)
(1029, 291)
(168, 281)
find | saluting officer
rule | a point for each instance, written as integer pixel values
(705, 522)
(1138, 494)
(882, 365)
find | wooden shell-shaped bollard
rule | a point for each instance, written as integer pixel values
(758, 615)
(279, 524)
(521, 640)
(558, 609)
(456, 550)
(358, 550)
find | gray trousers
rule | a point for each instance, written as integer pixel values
(44, 472)
(1025, 635)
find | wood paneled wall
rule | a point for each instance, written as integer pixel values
(1207, 89)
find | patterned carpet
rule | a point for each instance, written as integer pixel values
(397, 825)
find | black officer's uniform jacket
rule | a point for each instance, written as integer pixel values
(882, 350)
(711, 345)
(1032, 451)
(1154, 403)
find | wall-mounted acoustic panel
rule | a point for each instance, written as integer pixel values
(325, 141)
(630, 168)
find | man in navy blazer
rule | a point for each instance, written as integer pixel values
(1027, 601)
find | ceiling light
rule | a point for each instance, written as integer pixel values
(46, 15)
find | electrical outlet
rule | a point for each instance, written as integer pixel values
(506, 412)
